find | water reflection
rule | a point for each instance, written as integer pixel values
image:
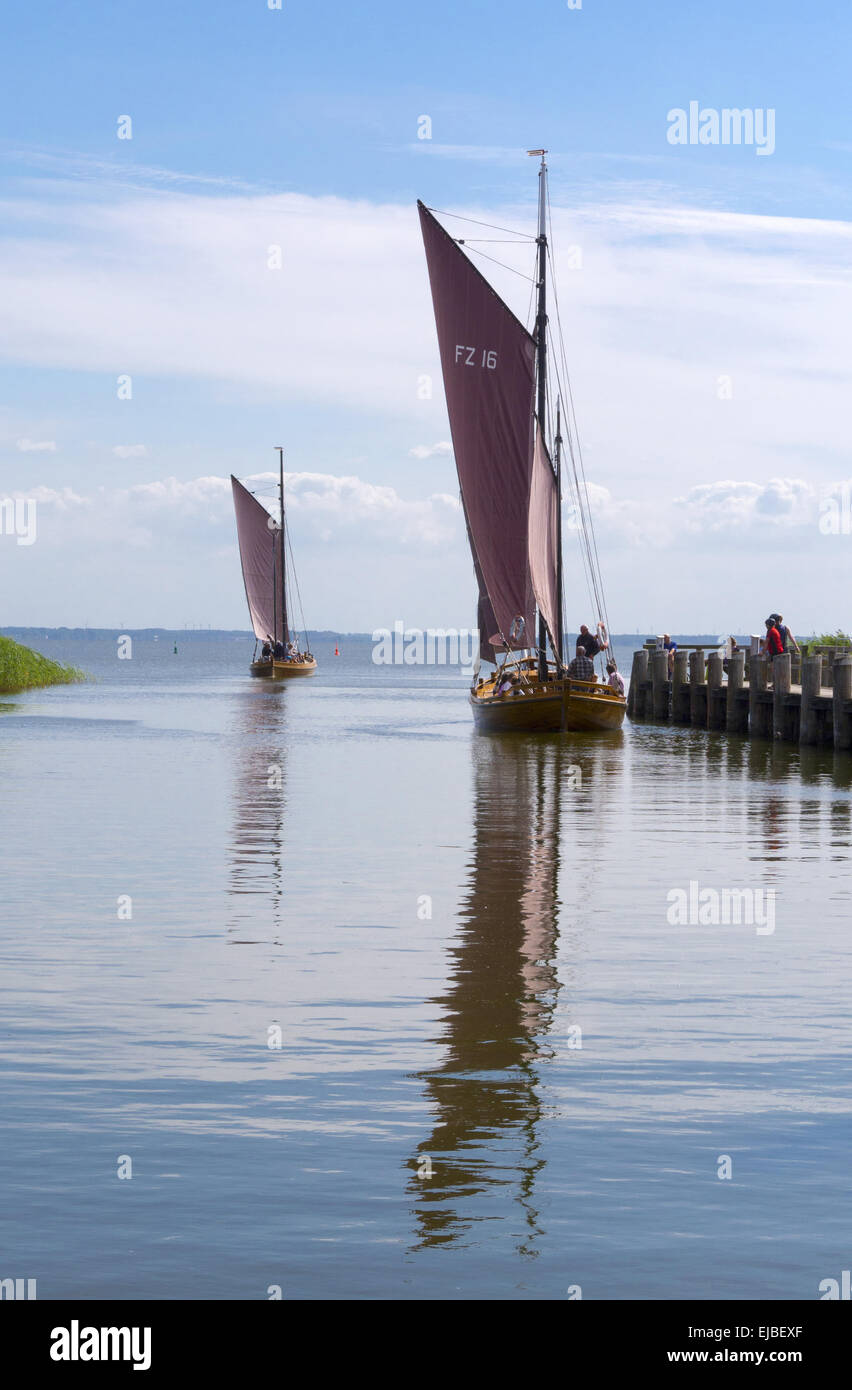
(501, 997)
(257, 870)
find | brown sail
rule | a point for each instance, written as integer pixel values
(543, 538)
(488, 365)
(262, 558)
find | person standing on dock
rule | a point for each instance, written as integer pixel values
(772, 644)
(670, 647)
(788, 641)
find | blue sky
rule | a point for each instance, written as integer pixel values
(299, 127)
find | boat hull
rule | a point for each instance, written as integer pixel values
(557, 706)
(283, 670)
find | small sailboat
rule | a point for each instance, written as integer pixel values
(263, 555)
(498, 398)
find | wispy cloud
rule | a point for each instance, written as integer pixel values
(37, 446)
(427, 451)
(71, 164)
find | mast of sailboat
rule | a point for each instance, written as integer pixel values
(560, 624)
(281, 543)
(541, 357)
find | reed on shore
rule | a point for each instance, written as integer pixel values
(23, 669)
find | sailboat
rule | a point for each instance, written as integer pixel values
(263, 544)
(498, 397)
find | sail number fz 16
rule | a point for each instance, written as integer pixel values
(475, 357)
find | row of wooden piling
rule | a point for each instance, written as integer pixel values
(701, 696)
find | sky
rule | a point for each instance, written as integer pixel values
(210, 248)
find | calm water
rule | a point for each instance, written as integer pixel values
(433, 921)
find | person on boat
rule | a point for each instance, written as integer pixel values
(670, 647)
(279, 651)
(788, 641)
(582, 668)
(266, 649)
(504, 685)
(592, 643)
(614, 678)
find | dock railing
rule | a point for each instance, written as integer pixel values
(804, 698)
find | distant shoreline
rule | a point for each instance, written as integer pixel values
(22, 634)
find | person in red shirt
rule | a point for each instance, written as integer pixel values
(773, 644)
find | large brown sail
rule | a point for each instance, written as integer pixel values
(544, 538)
(262, 558)
(488, 365)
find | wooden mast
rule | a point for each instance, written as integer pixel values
(284, 633)
(560, 624)
(541, 358)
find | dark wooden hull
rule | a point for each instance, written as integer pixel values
(557, 706)
(283, 670)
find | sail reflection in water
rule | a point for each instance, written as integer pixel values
(501, 999)
(260, 800)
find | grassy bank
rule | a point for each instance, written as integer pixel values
(22, 669)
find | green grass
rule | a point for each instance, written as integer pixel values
(23, 669)
(831, 639)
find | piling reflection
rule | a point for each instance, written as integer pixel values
(501, 997)
(257, 870)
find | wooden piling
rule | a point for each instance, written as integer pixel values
(660, 685)
(638, 674)
(781, 689)
(696, 693)
(841, 695)
(697, 690)
(680, 689)
(759, 708)
(715, 706)
(737, 711)
(811, 687)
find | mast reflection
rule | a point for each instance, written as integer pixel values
(260, 802)
(500, 1000)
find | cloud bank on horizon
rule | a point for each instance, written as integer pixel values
(709, 367)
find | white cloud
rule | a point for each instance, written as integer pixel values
(37, 446)
(63, 499)
(428, 451)
(669, 302)
(782, 502)
(130, 451)
(327, 507)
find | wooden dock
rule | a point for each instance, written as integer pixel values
(755, 696)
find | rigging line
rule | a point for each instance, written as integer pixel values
(295, 580)
(592, 589)
(526, 236)
(584, 555)
(486, 257)
(530, 324)
(573, 421)
(570, 442)
(594, 543)
(485, 240)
